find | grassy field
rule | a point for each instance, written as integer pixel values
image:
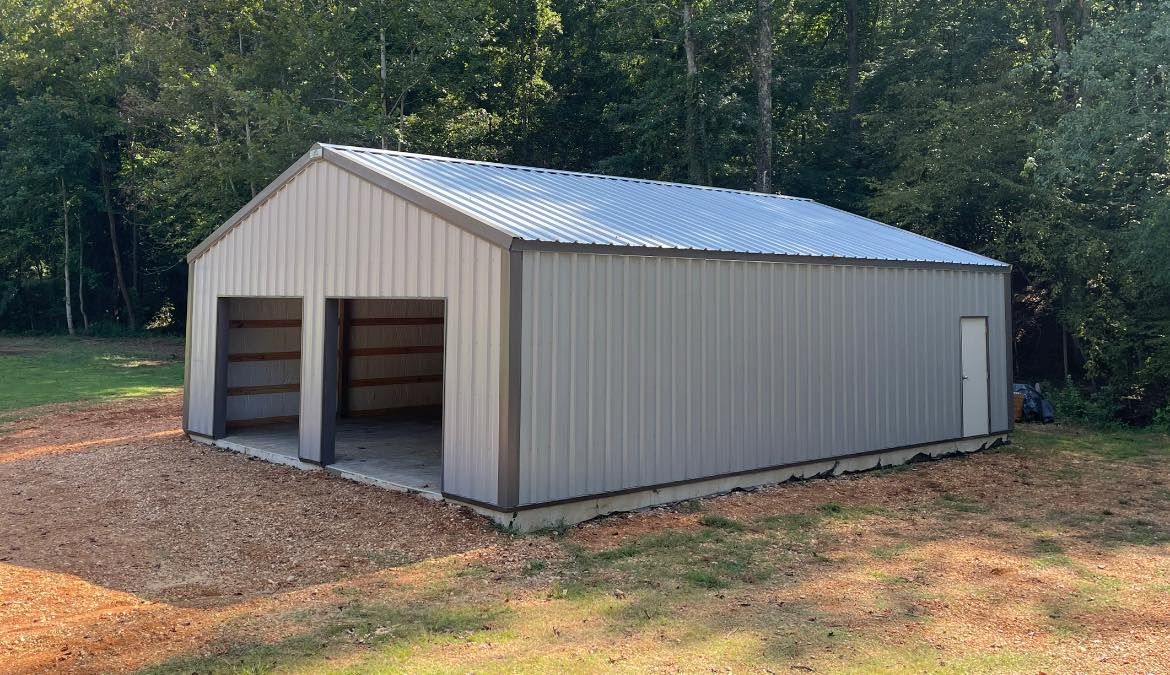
(37, 371)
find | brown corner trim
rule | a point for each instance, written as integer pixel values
(511, 381)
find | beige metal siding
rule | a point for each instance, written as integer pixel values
(328, 233)
(645, 370)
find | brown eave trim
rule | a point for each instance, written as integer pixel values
(660, 252)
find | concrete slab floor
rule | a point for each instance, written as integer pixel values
(402, 453)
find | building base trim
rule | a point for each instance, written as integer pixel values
(560, 513)
(571, 512)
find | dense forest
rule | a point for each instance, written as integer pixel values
(1033, 131)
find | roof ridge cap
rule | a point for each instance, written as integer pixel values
(563, 172)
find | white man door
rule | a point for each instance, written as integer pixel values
(973, 330)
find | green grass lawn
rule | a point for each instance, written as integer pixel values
(36, 371)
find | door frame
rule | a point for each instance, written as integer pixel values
(987, 366)
(337, 311)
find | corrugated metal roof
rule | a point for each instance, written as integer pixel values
(545, 205)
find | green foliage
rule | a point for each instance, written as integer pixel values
(973, 122)
(533, 567)
(705, 579)
(1162, 418)
(1073, 404)
(961, 504)
(721, 522)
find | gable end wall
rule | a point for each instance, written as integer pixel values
(329, 234)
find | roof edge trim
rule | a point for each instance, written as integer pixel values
(246, 210)
(321, 152)
(663, 252)
(431, 203)
(998, 263)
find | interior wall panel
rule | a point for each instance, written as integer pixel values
(398, 395)
(248, 338)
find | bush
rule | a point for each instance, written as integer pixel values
(1161, 419)
(1097, 409)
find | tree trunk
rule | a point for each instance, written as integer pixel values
(1056, 24)
(1061, 44)
(109, 204)
(696, 134)
(247, 147)
(65, 222)
(852, 19)
(1064, 352)
(134, 255)
(763, 64)
(81, 277)
(401, 117)
(382, 77)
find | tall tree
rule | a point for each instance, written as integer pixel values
(108, 202)
(853, 62)
(65, 257)
(762, 62)
(696, 124)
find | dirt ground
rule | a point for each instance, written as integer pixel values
(124, 545)
(121, 540)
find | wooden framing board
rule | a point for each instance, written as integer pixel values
(263, 389)
(264, 356)
(384, 351)
(405, 410)
(264, 323)
(397, 321)
(401, 379)
(261, 421)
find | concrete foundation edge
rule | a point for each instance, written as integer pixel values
(273, 457)
(384, 484)
(277, 458)
(571, 513)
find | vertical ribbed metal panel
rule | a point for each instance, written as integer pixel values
(328, 233)
(646, 370)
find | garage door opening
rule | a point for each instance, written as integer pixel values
(389, 392)
(258, 373)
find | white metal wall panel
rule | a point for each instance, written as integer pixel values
(329, 234)
(645, 370)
